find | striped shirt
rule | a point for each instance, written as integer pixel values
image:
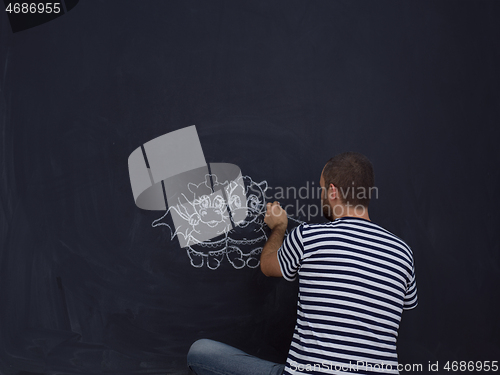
(355, 280)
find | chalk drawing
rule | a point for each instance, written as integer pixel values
(241, 245)
(217, 212)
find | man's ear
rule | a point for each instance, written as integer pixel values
(332, 192)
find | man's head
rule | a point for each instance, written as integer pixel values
(347, 180)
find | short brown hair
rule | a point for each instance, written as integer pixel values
(352, 174)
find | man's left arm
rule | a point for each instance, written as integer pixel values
(277, 220)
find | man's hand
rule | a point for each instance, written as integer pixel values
(277, 220)
(275, 216)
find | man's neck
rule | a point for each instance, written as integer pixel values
(360, 213)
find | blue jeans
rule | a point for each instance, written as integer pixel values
(208, 357)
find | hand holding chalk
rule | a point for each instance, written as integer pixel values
(275, 216)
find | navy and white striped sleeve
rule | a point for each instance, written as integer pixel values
(411, 299)
(290, 254)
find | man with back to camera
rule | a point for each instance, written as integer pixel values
(355, 279)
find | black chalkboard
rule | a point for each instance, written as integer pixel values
(88, 285)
